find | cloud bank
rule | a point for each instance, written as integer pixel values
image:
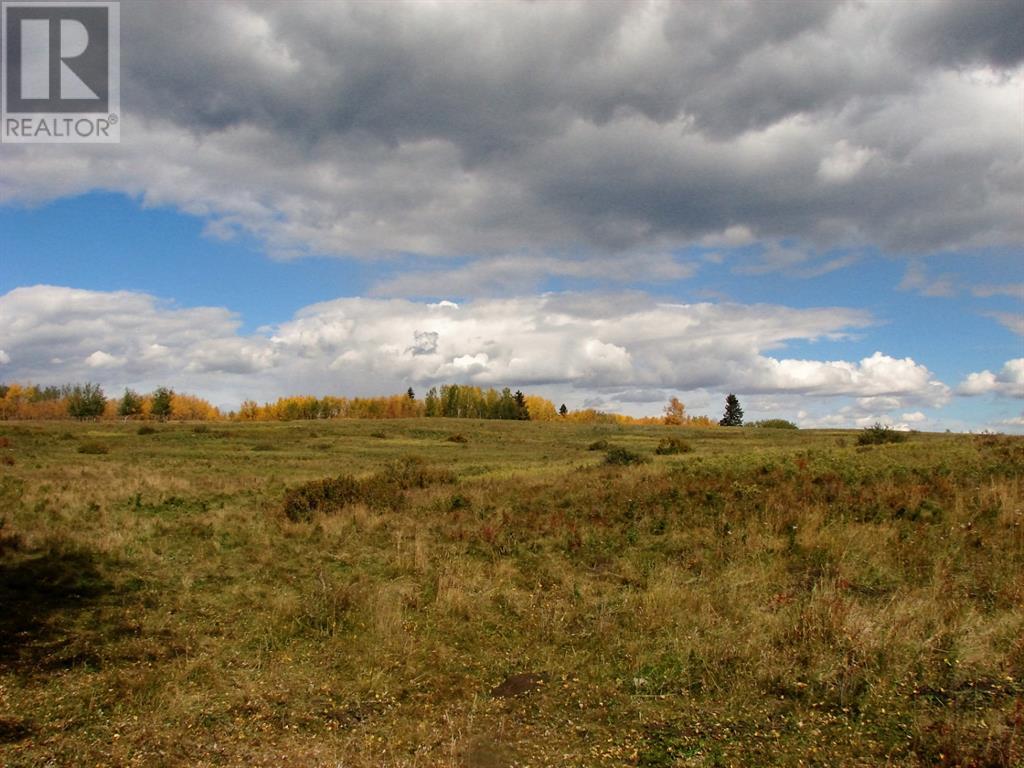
(482, 129)
(620, 348)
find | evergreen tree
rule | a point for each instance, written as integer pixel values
(411, 395)
(522, 412)
(506, 405)
(733, 416)
(563, 410)
(162, 404)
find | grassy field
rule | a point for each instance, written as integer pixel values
(495, 594)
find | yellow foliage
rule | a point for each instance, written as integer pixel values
(541, 409)
(192, 408)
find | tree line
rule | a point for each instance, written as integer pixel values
(88, 402)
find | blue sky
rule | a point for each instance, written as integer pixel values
(614, 230)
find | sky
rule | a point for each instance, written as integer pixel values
(816, 206)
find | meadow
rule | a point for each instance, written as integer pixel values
(438, 592)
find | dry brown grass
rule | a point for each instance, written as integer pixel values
(763, 600)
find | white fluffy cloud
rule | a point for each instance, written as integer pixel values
(1009, 381)
(614, 348)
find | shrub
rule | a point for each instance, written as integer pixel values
(200, 429)
(93, 448)
(622, 457)
(672, 445)
(598, 445)
(145, 429)
(414, 472)
(320, 496)
(877, 434)
(457, 438)
(773, 424)
(383, 490)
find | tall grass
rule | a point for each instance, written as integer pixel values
(768, 598)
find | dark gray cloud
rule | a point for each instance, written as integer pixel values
(565, 128)
(961, 33)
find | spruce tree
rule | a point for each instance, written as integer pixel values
(522, 412)
(733, 416)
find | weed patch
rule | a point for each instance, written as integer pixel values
(93, 448)
(670, 446)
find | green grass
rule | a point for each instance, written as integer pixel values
(771, 597)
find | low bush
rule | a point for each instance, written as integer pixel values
(672, 445)
(320, 497)
(145, 429)
(773, 424)
(457, 438)
(383, 490)
(878, 434)
(414, 472)
(598, 445)
(623, 457)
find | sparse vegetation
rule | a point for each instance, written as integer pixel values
(776, 598)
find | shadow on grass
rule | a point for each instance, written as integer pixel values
(42, 592)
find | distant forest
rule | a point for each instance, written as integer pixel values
(89, 402)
